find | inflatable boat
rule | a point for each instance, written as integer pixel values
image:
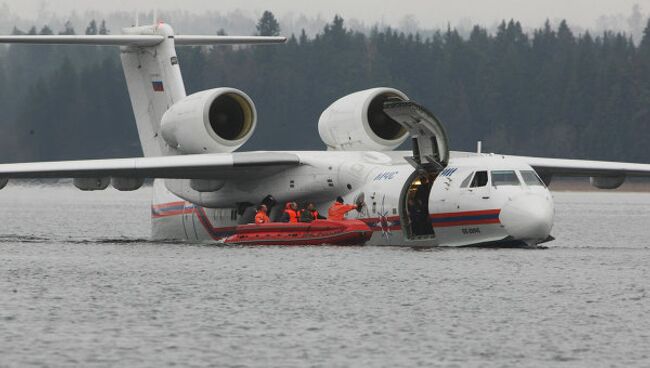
(319, 232)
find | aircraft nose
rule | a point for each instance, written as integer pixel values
(528, 217)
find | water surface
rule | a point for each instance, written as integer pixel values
(81, 285)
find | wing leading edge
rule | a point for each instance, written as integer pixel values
(205, 166)
(585, 168)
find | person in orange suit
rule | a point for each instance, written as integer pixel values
(338, 210)
(261, 217)
(290, 213)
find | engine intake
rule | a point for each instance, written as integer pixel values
(357, 122)
(214, 121)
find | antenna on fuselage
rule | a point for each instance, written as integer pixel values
(137, 19)
(479, 147)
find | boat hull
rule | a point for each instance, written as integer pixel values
(319, 232)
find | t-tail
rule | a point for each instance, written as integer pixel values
(169, 122)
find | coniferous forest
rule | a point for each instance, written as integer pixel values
(550, 92)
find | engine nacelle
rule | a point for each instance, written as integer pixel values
(607, 182)
(214, 121)
(91, 184)
(127, 184)
(357, 122)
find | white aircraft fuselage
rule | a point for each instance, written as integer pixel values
(497, 214)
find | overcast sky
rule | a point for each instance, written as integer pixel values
(428, 12)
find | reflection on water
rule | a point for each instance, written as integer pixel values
(81, 286)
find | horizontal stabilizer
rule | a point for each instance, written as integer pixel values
(188, 40)
(121, 40)
(140, 40)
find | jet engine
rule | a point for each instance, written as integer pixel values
(214, 121)
(357, 122)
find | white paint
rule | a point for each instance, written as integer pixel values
(186, 125)
(344, 125)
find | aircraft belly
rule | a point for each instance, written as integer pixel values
(168, 228)
(173, 218)
(470, 235)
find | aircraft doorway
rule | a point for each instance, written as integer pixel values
(414, 205)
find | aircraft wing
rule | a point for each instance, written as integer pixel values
(585, 168)
(204, 166)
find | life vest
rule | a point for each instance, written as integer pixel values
(338, 210)
(291, 213)
(261, 218)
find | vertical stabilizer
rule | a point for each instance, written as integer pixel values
(155, 83)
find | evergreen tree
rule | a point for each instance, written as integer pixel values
(102, 28)
(92, 28)
(46, 30)
(68, 29)
(268, 25)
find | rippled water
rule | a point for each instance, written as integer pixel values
(81, 286)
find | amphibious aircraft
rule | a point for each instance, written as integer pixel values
(202, 187)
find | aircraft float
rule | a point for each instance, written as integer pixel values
(204, 190)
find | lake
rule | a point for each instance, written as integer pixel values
(82, 285)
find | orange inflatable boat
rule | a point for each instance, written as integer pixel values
(319, 232)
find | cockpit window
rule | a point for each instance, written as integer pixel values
(465, 182)
(531, 179)
(504, 177)
(480, 179)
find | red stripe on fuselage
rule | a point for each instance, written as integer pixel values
(172, 213)
(171, 209)
(167, 205)
(465, 223)
(467, 213)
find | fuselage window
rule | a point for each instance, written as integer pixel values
(480, 179)
(531, 179)
(465, 182)
(504, 177)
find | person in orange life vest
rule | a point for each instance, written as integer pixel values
(339, 209)
(261, 217)
(290, 213)
(310, 214)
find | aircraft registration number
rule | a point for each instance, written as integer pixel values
(471, 230)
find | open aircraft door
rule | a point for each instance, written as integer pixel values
(430, 157)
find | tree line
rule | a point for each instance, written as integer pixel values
(549, 92)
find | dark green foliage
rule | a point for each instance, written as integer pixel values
(68, 29)
(102, 28)
(550, 92)
(92, 28)
(268, 25)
